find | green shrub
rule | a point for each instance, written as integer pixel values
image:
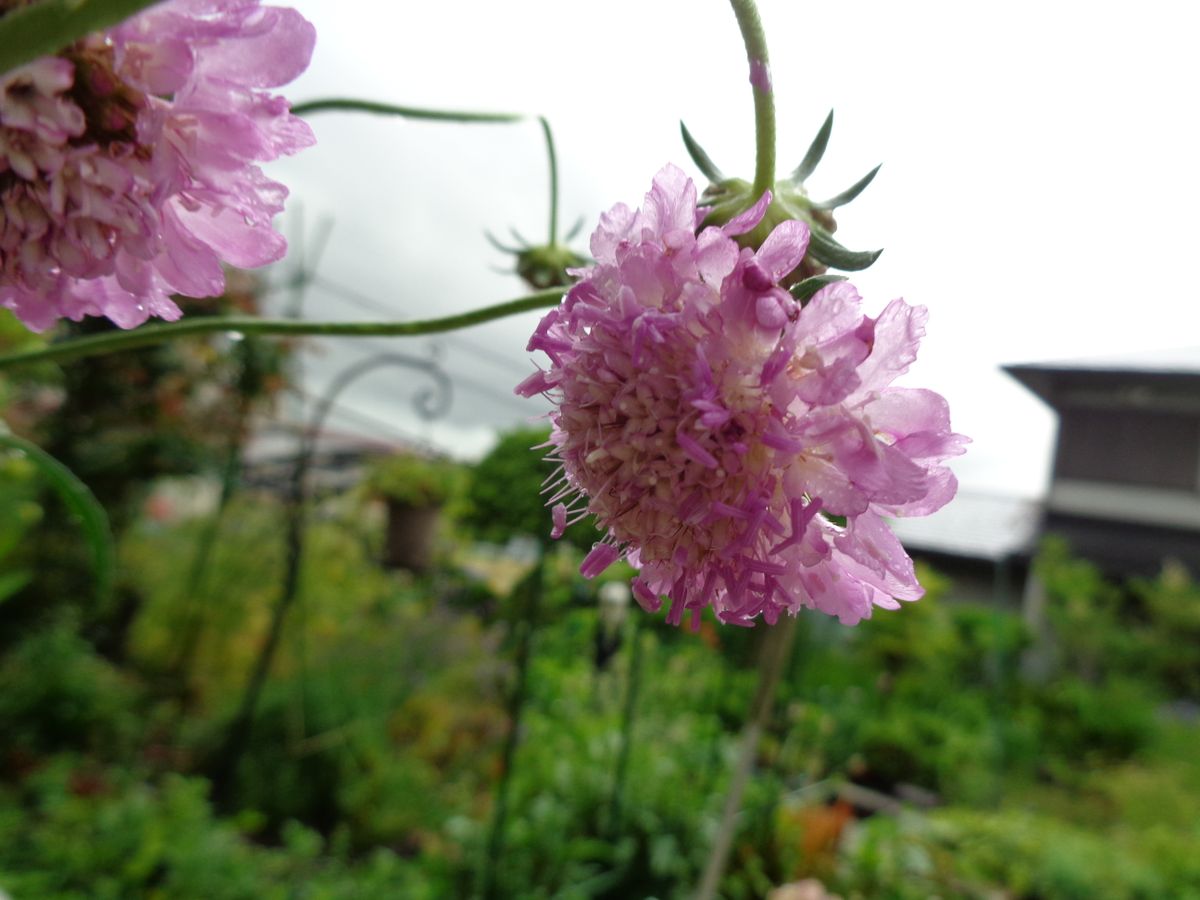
(1012, 853)
(56, 693)
(1092, 636)
(505, 497)
(1171, 631)
(1106, 722)
(416, 481)
(80, 833)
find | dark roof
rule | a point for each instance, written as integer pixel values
(1154, 378)
(1180, 360)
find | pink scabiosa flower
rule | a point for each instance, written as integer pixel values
(741, 451)
(127, 161)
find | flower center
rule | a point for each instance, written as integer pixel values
(109, 105)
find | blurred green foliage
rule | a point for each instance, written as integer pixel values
(508, 490)
(376, 751)
(414, 480)
(19, 513)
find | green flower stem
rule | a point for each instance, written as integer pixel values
(113, 341)
(637, 652)
(44, 28)
(345, 104)
(764, 96)
(552, 157)
(773, 658)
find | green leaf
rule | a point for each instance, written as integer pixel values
(804, 290)
(815, 151)
(830, 252)
(699, 157)
(45, 28)
(11, 582)
(79, 499)
(850, 193)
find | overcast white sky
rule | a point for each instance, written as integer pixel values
(1038, 194)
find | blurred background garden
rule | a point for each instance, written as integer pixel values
(325, 673)
(318, 645)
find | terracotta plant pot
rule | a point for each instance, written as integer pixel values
(411, 530)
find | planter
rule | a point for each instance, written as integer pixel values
(411, 533)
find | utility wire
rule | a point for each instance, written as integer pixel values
(350, 414)
(461, 380)
(370, 304)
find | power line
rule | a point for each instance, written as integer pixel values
(362, 301)
(349, 413)
(459, 379)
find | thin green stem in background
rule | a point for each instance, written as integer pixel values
(113, 341)
(346, 104)
(637, 651)
(552, 157)
(529, 593)
(764, 96)
(773, 657)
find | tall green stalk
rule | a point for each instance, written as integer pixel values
(530, 592)
(773, 657)
(637, 651)
(552, 159)
(764, 95)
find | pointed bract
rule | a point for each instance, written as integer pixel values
(850, 193)
(830, 252)
(816, 150)
(699, 157)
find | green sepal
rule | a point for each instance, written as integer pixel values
(816, 150)
(702, 160)
(80, 500)
(803, 291)
(850, 193)
(827, 250)
(44, 28)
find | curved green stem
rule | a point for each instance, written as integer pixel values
(109, 342)
(347, 104)
(79, 499)
(764, 96)
(552, 157)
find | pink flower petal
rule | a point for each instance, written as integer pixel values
(783, 249)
